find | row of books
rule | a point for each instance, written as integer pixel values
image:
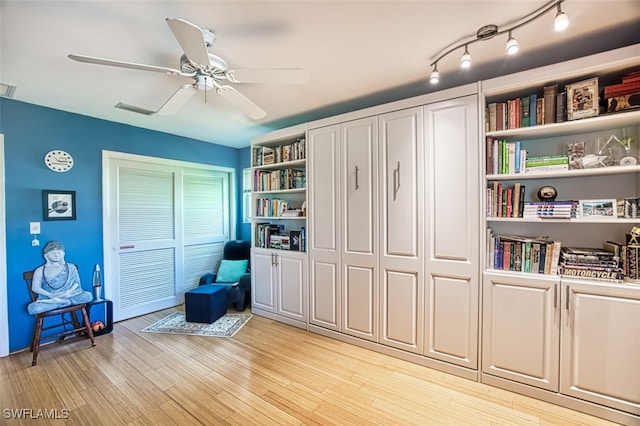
(264, 155)
(550, 209)
(592, 263)
(274, 236)
(525, 111)
(537, 255)
(503, 201)
(505, 157)
(277, 180)
(271, 207)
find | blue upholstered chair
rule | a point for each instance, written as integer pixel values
(234, 273)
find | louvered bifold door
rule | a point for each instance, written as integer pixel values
(147, 246)
(206, 223)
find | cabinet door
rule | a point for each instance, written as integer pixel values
(263, 286)
(521, 331)
(359, 201)
(401, 229)
(292, 288)
(452, 241)
(601, 344)
(324, 226)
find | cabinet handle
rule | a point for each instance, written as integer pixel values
(357, 184)
(567, 302)
(273, 259)
(396, 181)
(276, 256)
(555, 296)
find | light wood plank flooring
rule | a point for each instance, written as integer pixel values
(267, 374)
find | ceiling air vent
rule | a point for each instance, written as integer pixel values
(132, 108)
(6, 90)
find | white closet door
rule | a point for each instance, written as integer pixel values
(167, 225)
(324, 226)
(401, 229)
(453, 238)
(360, 228)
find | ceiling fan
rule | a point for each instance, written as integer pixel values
(208, 71)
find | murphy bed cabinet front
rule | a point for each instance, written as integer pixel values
(393, 238)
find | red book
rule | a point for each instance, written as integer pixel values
(621, 89)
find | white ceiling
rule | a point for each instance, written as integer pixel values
(357, 53)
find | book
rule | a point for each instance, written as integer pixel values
(500, 117)
(525, 111)
(561, 107)
(621, 89)
(492, 117)
(539, 111)
(533, 109)
(550, 102)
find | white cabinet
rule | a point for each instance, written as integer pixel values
(279, 284)
(324, 249)
(452, 236)
(359, 206)
(401, 229)
(521, 328)
(601, 344)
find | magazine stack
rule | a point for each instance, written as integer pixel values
(590, 264)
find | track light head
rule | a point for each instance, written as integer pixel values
(512, 46)
(561, 21)
(465, 61)
(434, 78)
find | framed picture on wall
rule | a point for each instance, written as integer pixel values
(58, 205)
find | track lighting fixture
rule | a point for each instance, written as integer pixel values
(512, 45)
(465, 61)
(560, 22)
(435, 75)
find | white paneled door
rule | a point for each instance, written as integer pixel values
(165, 225)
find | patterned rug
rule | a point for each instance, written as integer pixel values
(227, 326)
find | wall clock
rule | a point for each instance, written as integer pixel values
(58, 160)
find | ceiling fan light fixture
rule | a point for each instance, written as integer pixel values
(512, 46)
(204, 82)
(465, 61)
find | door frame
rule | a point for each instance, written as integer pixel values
(107, 202)
(4, 301)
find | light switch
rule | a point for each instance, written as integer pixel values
(34, 227)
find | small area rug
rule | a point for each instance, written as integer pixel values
(227, 326)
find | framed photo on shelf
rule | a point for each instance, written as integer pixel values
(58, 205)
(582, 99)
(598, 209)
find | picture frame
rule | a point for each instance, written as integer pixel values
(582, 99)
(58, 205)
(598, 209)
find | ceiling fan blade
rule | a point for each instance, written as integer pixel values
(191, 40)
(241, 102)
(283, 75)
(131, 65)
(177, 100)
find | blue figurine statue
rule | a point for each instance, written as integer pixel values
(56, 283)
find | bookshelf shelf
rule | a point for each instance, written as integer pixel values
(260, 218)
(601, 171)
(282, 165)
(565, 128)
(281, 191)
(576, 221)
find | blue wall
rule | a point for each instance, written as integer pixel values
(31, 131)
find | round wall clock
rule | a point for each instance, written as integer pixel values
(58, 160)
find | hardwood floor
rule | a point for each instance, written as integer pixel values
(268, 373)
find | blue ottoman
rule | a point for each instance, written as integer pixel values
(205, 303)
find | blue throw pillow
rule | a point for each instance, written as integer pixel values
(230, 271)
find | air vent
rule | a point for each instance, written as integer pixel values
(132, 108)
(6, 90)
